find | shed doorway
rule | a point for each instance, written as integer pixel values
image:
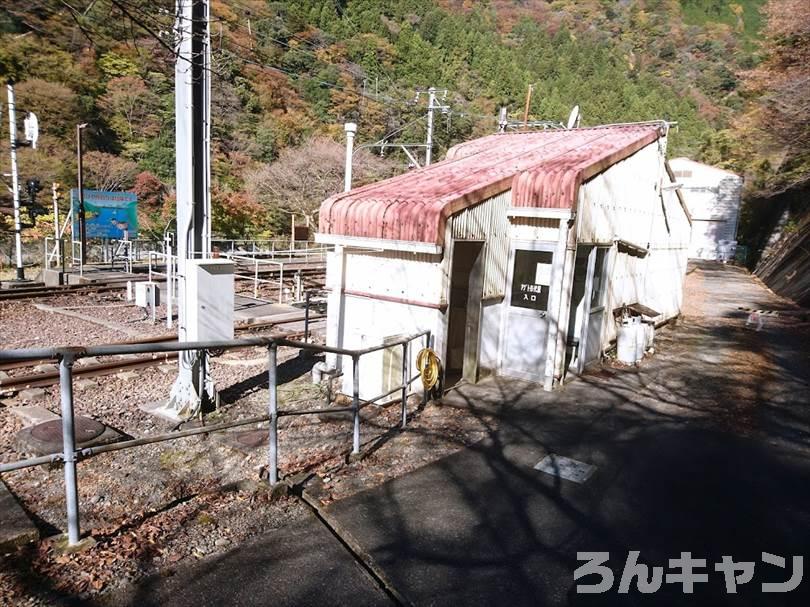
(587, 310)
(464, 323)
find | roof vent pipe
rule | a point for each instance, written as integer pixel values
(351, 129)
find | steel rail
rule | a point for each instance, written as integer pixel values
(50, 378)
(51, 375)
(13, 295)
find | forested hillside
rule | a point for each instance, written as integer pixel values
(287, 75)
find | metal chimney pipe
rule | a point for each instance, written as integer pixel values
(351, 129)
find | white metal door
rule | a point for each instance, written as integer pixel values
(591, 338)
(523, 354)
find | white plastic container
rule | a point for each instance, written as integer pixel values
(649, 335)
(627, 350)
(641, 339)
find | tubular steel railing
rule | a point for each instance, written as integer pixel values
(70, 455)
(256, 262)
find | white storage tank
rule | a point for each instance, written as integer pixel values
(627, 340)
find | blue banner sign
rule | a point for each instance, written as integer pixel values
(107, 214)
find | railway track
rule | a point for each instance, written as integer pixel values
(37, 292)
(312, 277)
(50, 378)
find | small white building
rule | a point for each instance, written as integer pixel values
(713, 197)
(514, 252)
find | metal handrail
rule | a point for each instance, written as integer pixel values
(66, 356)
(255, 278)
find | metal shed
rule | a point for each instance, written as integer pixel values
(513, 251)
(713, 198)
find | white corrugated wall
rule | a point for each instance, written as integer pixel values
(401, 274)
(627, 202)
(488, 221)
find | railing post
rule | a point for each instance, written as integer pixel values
(404, 384)
(356, 402)
(255, 278)
(280, 283)
(306, 317)
(69, 447)
(272, 386)
(169, 285)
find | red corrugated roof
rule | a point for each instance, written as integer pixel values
(544, 169)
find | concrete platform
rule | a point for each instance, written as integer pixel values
(31, 415)
(53, 278)
(250, 310)
(96, 274)
(16, 528)
(19, 284)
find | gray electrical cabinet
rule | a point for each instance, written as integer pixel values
(209, 289)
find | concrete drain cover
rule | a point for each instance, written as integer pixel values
(85, 429)
(565, 467)
(253, 438)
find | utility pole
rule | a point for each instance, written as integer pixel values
(82, 217)
(503, 120)
(429, 140)
(432, 105)
(193, 388)
(528, 103)
(15, 185)
(351, 129)
(56, 233)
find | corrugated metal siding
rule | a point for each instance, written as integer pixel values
(713, 198)
(627, 202)
(411, 276)
(535, 228)
(715, 210)
(622, 202)
(488, 222)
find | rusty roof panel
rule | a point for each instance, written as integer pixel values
(544, 169)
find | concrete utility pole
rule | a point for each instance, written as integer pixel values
(82, 216)
(503, 120)
(56, 233)
(351, 129)
(432, 105)
(193, 387)
(429, 140)
(15, 181)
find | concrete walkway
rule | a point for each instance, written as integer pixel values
(703, 449)
(300, 565)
